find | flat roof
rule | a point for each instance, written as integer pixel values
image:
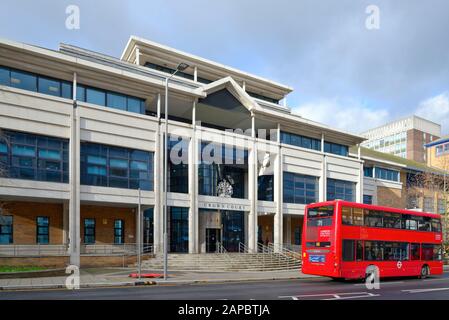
(399, 120)
(135, 41)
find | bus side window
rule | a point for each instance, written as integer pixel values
(348, 250)
(424, 224)
(359, 250)
(346, 215)
(410, 223)
(436, 225)
(414, 251)
(357, 216)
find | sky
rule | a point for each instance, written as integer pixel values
(343, 74)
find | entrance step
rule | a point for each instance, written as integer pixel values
(224, 262)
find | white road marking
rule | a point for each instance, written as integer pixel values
(425, 290)
(381, 283)
(437, 279)
(334, 296)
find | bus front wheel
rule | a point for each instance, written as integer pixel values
(425, 271)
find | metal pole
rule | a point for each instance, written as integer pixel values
(139, 236)
(165, 181)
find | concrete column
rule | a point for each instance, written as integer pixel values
(157, 213)
(193, 177)
(195, 73)
(65, 222)
(252, 188)
(323, 181)
(287, 229)
(359, 185)
(74, 179)
(138, 56)
(278, 198)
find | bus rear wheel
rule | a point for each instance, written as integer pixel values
(425, 271)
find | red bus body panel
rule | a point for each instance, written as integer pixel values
(334, 267)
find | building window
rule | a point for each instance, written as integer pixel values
(110, 99)
(178, 168)
(300, 141)
(265, 188)
(119, 231)
(231, 169)
(148, 228)
(441, 206)
(34, 82)
(262, 97)
(428, 204)
(89, 231)
(412, 202)
(297, 235)
(368, 172)
(367, 199)
(233, 229)
(336, 148)
(116, 167)
(34, 157)
(6, 229)
(42, 230)
(387, 174)
(179, 229)
(299, 188)
(442, 149)
(340, 189)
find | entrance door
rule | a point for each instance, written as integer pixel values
(212, 237)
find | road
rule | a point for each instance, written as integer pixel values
(433, 288)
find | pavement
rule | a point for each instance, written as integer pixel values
(114, 277)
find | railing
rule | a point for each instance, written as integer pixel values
(220, 248)
(126, 249)
(243, 248)
(274, 256)
(37, 250)
(283, 249)
(33, 250)
(293, 247)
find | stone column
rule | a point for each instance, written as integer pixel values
(193, 182)
(252, 188)
(74, 179)
(359, 185)
(323, 178)
(157, 213)
(278, 198)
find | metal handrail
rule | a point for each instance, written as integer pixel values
(115, 249)
(293, 258)
(243, 248)
(14, 250)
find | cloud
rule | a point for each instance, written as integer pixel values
(345, 114)
(320, 48)
(436, 109)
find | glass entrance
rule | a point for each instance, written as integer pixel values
(233, 229)
(213, 236)
(148, 229)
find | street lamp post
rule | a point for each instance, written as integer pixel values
(182, 66)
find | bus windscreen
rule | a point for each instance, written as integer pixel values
(320, 216)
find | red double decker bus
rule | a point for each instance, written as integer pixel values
(342, 240)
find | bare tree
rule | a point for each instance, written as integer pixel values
(432, 184)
